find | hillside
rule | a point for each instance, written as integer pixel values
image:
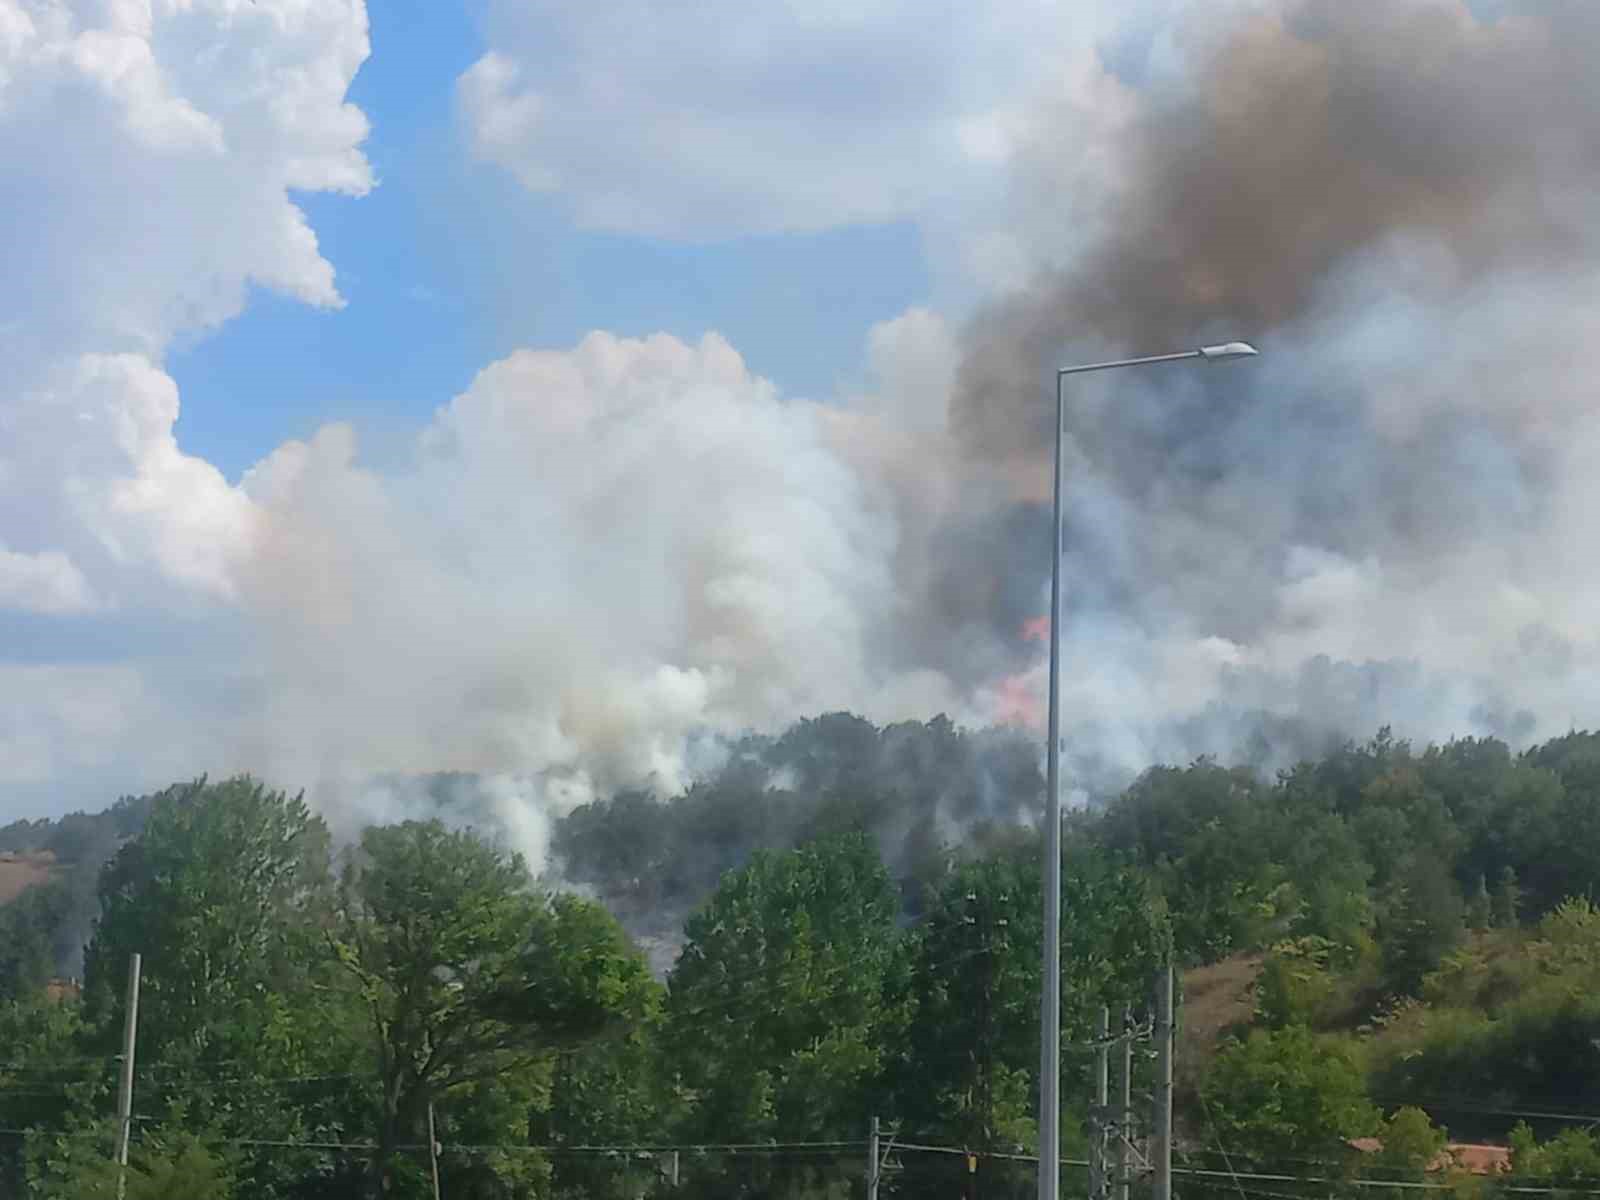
(1384, 948)
(1218, 1000)
(22, 870)
(652, 859)
(49, 870)
(1384, 951)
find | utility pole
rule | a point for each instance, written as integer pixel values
(1124, 1158)
(982, 1063)
(1099, 1112)
(433, 1152)
(1161, 1148)
(130, 1029)
(872, 1161)
(990, 934)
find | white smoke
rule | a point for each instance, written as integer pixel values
(599, 562)
(594, 555)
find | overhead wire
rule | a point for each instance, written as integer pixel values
(839, 1147)
(1216, 1136)
(1489, 1108)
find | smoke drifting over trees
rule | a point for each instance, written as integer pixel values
(605, 554)
(1379, 518)
(599, 568)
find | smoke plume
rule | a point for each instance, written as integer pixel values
(1382, 519)
(600, 556)
(602, 566)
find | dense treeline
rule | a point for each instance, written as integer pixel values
(1373, 847)
(861, 939)
(294, 999)
(913, 788)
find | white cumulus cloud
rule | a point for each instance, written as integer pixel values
(147, 153)
(716, 119)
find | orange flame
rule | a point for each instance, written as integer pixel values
(1018, 703)
(1036, 629)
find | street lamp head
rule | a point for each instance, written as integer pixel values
(1227, 350)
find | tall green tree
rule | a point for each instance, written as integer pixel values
(612, 1091)
(1568, 1162)
(29, 928)
(165, 1164)
(226, 895)
(777, 1012)
(219, 895)
(1204, 834)
(1421, 921)
(45, 1080)
(1287, 1095)
(466, 972)
(1412, 1144)
(969, 1065)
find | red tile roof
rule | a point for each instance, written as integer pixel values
(1477, 1158)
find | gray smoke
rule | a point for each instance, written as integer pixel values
(597, 559)
(1380, 520)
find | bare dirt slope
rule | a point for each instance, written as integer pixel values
(1215, 999)
(18, 872)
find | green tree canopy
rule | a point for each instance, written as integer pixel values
(1286, 1094)
(165, 1164)
(776, 1012)
(216, 895)
(969, 1064)
(466, 972)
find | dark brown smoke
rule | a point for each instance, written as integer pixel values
(1299, 142)
(1397, 202)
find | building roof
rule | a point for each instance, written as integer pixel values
(1476, 1158)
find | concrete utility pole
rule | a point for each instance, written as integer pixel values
(1161, 1148)
(1124, 1157)
(433, 1152)
(872, 1161)
(130, 1030)
(1102, 1101)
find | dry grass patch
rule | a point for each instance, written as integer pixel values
(21, 871)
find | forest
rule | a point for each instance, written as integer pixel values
(1388, 954)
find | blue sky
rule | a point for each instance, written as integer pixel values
(449, 264)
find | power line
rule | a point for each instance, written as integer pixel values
(1217, 1137)
(529, 1148)
(1265, 1177)
(837, 1148)
(1413, 1185)
(1486, 1109)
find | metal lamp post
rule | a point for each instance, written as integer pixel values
(1050, 1005)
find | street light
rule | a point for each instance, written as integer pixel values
(1050, 1004)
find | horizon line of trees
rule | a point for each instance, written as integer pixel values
(293, 996)
(1422, 919)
